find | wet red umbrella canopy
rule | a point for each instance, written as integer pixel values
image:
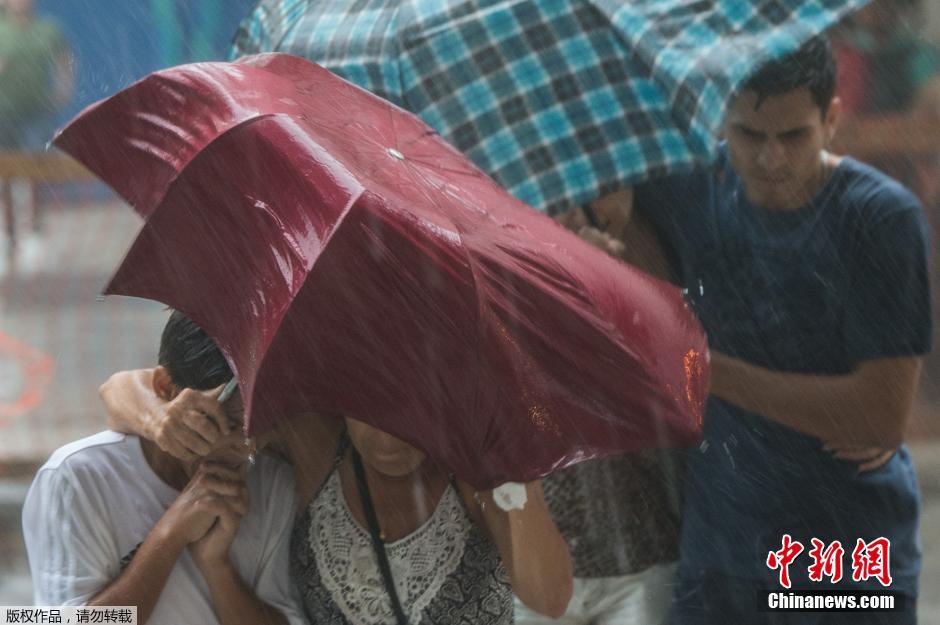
(349, 261)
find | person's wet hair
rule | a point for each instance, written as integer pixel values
(192, 359)
(812, 66)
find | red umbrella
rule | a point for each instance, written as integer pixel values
(348, 260)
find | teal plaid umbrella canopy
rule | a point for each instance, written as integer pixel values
(561, 101)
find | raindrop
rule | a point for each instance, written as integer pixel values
(734, 466)
(252, 449)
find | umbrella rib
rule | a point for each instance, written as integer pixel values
(204, 149)
(472, 265)
(354, 199)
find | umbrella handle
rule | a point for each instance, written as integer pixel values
(229, 390)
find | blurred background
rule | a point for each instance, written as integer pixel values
(63, 232)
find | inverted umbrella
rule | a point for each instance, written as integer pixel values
(561, 101)
(348, 260)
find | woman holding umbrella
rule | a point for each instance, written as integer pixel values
(383, 535)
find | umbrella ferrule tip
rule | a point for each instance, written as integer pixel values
(396, 154)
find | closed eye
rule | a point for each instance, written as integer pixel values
(747, 133)
(793, 135)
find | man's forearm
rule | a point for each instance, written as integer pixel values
(843, 408)
(234, 602)
(130, 402)
(142, 582)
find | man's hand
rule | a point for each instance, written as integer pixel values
(212, 492)
(189, 426)
(868, 458)
(602, 241)
(212, 549)
(576, 221)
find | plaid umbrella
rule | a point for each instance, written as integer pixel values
(561, 101)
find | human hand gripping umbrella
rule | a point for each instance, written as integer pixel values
(349, 261)
(560, 101)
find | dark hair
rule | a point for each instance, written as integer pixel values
(192, 359)
(812, 66)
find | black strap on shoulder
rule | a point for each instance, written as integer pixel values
(377, 542)
(341, 447)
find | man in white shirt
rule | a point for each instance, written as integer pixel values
(113, 520)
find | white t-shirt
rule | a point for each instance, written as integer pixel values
(96, 500)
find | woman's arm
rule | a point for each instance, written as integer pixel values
(530, 546)
(185, 427)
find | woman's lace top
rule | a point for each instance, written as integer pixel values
(446, 572)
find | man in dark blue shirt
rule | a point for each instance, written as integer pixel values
(809, 274)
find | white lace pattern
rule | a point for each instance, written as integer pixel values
(420, 562)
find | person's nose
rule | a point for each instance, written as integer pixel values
(771, 156)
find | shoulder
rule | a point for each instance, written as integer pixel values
(471, 503)
(85, 469)
(687, 186)
(875, 197)
(272, 480)
(96, 450)
(685, 191)
(268, 468)
(88, 467)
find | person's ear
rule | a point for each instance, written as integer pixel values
(163, 384)
(831, 122)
